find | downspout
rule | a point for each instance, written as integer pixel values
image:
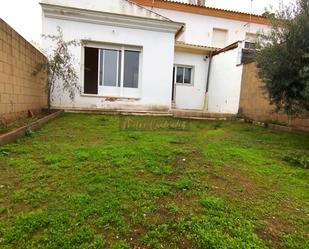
(207, 83)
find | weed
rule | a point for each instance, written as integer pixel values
(212, 202)
(297, 160)
(53, 159)
(29, 132)
(184, 183)
(120, 245)
(173, 208)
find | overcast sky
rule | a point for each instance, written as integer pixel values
(25, 15)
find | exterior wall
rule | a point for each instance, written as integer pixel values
(114, 6)
(225, 82)
(199, 28)
(255, 105)
(20, 91)
(155, 86)
(191, 96)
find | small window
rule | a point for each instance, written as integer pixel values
(219, 38)
(180, 74)
(187, 77)
(183, 75)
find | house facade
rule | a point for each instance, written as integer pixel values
(153, 55)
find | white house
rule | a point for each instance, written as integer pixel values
(153, 54)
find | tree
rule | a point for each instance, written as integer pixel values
(59, 68)
(282, 59)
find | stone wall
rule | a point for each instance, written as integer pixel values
(20, 91)
(255, 106)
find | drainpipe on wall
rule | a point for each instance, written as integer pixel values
(205, 109)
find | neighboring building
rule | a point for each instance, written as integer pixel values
(153, 54)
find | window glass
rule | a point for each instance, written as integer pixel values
(179, 75)
(187, 78)
(110, 67)
(119, 68)
(131, 67)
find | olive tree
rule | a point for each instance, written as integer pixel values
(61, 74)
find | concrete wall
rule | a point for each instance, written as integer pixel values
(255, 105)
(20, 91)
(191, 96)
(199, 28)
(225, 82)
(157, 56)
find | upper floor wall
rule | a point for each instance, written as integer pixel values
(209, 26)
(211, 31)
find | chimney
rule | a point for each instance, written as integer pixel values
(201, 2)
(197, 2)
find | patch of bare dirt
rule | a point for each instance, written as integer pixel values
(231, 182)
(271, 232)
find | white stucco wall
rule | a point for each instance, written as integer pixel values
(191, 96)
(156, 69)
(199, 28)
(225, 82)
(111, 6)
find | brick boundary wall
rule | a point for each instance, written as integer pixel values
(20, 91)
(255, 106)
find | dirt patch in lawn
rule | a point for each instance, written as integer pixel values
(271, 232)
(234, 185)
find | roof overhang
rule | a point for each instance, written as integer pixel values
(109, 19)
(193, 49)
(227, 48)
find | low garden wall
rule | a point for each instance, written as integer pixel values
(255, 106)
(20, 91)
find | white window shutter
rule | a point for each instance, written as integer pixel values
(219, 38)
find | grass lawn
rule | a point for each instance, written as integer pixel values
(91, 181)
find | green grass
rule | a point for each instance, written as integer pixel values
(85, 182)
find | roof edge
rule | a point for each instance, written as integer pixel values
(193, 48)
(99, 17)
(204, 10)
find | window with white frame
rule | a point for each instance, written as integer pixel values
(111, 68)
(183, 75)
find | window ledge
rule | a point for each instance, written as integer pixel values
(184, 84)
(114, 98)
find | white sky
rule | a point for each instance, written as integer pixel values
(25, 15)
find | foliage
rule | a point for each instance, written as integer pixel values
(29, 132)
(283, 58)
(80, 184)
(62, 76)
(297, 160)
